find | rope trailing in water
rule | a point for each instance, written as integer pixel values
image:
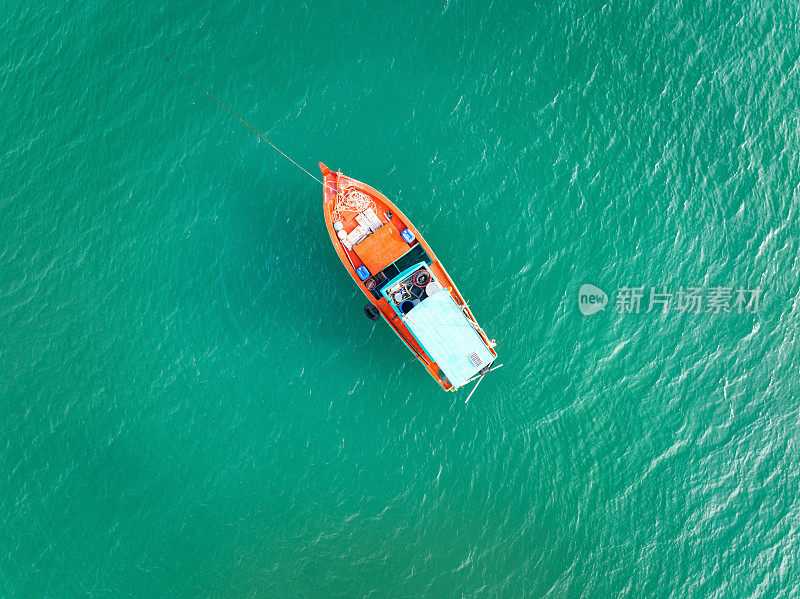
(249, 126)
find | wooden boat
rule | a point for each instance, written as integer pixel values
(404, 281)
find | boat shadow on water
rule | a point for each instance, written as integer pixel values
(291, 284)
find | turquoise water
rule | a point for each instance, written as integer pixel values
(192, 402)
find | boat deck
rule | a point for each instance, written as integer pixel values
(381, 248)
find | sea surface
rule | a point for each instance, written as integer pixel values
(192, 402)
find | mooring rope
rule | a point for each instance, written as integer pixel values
(253, 129)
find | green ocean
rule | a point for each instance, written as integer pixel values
(192, 403)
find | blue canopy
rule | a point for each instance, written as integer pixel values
(448, 337)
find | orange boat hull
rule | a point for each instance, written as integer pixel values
(386, 249)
